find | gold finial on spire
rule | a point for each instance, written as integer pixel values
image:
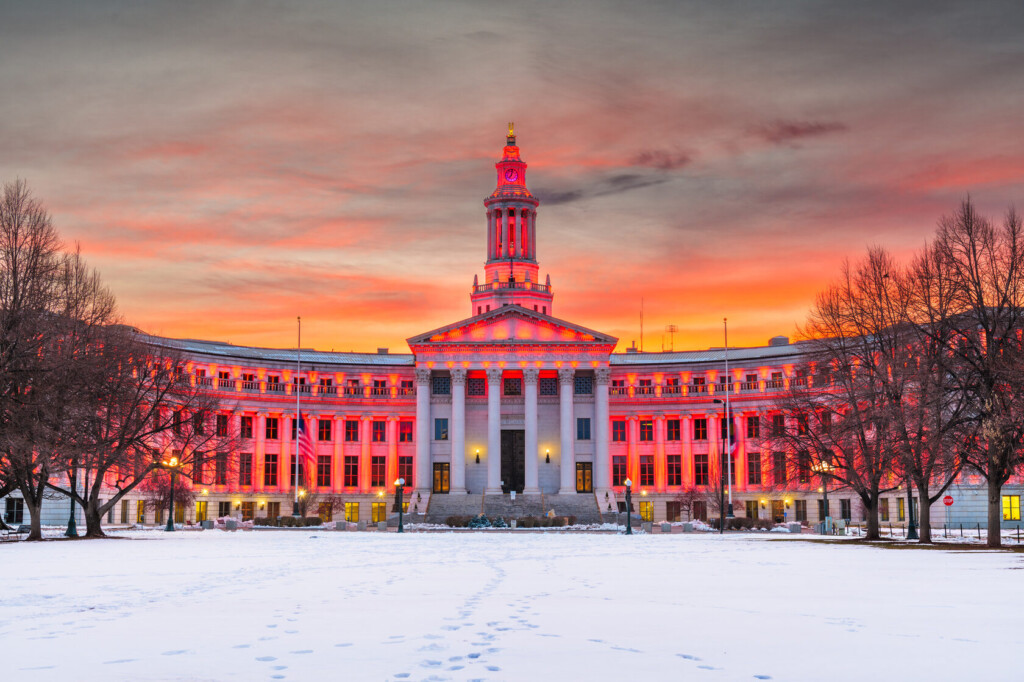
(511, 129)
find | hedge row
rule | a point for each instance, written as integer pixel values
(288, 521)
(743, 523)
(482, 521)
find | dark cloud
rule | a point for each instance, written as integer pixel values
(662, 159)
(781, 131)
(615, 184)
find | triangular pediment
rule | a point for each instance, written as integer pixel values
(512, 324)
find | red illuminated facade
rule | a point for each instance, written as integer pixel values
(510, 399)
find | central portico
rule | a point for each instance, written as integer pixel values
(465, 379)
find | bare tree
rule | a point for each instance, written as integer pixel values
(983, 266)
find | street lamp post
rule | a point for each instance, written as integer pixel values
(398, 501)
(911, 527)
(726, 482)
(826, 522)
(629, 507)
(171, 464)
(72, 531)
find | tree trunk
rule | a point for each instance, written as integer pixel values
(93, 516)
(995, 513)
(924, 515)
(871, 518)
(35, 520)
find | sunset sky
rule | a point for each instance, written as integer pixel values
(228, 166)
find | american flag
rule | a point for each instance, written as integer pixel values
(306, 448)
(734, 444)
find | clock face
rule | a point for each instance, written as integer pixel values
(511, 174)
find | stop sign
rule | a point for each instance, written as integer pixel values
(948, 500)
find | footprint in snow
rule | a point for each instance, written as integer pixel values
(344, 644)
(762, 677)
(303, 651)
(266, 659)
(177, 652)
(688, 657)
(120, 660)
(430, 664)
(241, 646)
(402, 675)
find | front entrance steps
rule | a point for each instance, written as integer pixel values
(582, 505)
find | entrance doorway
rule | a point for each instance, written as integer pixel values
(513, 461)
(442, 483)
(584, 477)
(778, 511)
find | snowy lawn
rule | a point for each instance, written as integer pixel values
(505, 606)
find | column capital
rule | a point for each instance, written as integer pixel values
(566, 375)
(530, 376)
(423, 375)
(458, 375)
(494, 375)
(602, 375)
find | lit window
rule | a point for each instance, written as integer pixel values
(440, 429)
(1011, 507)
(379, 512)
(646, 510)
(352, 512)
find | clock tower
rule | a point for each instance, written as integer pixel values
(511, 273)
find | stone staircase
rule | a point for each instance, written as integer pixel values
(443, 506)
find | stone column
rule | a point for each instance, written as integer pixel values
(633, 450)
(423, 481)
(660, 466)
(533, 235)
(567, 483)
(338, 464)
(686, 433)
(391, 465)
(490, 234)
(235, 427)
(458, 472)
(602, 463)
(504, 233)
(260, 450)
(365, 438)
(494, 430)
(532, 484)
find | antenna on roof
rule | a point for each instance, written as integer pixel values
(671, 329)
(641, 324)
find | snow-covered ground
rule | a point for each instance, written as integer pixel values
(302, 605)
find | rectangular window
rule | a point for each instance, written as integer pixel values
(751, 509)
(140, 511)
(646, 470)
(753, 468)
(248, 511)
(1011, 507)
(700, 510)
(846, 509)
(270, 433)
(246, 427)
(778, 425)
(476, 387)
(245, 469)
(302, 471)
(646, 430)
(618, 470)
(379, 512)
(583, 428)
(325, 510)
(672, 429)
(352, 512)
(901, 511)
(801, 510)
(646, 510)
(270, 470)
(700, 469)
(222, 426)
(405, 432)
(883, 509)
(379, 430)
(700, 429)
(125, 512)
(220, 474)
(405, 469)
(803, 466)
(583, 385)
(723, 426)
(753, 427)
(674, 465)
(619, 431)
(323, 430)
(513, 386)
(779, 467)
(440, 429)
(548, 386)
(351, 471)
(822, 510)
(441, 385)
(728, 467)
(351, 430)
(377, 471)
(673, 511)
(380, 387)
(223, 509)
(323, 471)
(201, 507)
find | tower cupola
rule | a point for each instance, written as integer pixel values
(511, 272)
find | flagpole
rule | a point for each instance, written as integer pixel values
(298, 415)
(728, 413)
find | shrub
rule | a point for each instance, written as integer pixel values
(265, 521)
(457, 521)
(500, 523)
(479, 522)
(312, 521)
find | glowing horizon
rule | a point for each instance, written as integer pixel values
(227, 171)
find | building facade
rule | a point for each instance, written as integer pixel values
(511, 399)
